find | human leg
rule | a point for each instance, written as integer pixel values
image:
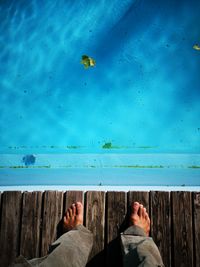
(137, 247)
(71, 249)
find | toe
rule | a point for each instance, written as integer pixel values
(140, 211)
(147, 218)
(67, 215)
(70, 212)
(143, 212)
(135, 207)
(73, 209)
(79, 208)
(65, 220)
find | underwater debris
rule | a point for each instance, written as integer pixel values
(140, 166)
(88, 61)
(147, 147)
(29, 160)
(74, 147)
(107, 145)
(196, 47)
(194, 167)
(111, 146)
(28, 166)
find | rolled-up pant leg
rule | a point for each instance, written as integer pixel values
(139, 250)
(71, 249)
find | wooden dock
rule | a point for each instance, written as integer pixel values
(30, 222)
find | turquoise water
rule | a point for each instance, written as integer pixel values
(141, 97)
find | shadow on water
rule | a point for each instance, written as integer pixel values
(138, 16)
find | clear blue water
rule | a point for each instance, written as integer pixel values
(142, 97)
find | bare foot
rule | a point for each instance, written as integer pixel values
(73, 217)
(140, 217)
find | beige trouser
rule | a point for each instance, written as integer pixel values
(139, 250)
(73, 248)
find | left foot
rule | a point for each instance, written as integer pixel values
(73, 217)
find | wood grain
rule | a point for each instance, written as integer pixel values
(161, 224)
(0, 207)
(115, 215)
(10, 227)
(51, 217)
(103, 216)
(196, 233)
(95, 222)
(182, 229)
(30, 229)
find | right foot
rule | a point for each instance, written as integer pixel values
(140, 217)
(73, 217)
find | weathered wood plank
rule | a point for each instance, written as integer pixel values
(0, 208)
(183, 253)
(95, 222)
(161, 224)
(196, 233)
(182, 229)
(10, 227)
(52, 215)
(115, 215)
(30, 228)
